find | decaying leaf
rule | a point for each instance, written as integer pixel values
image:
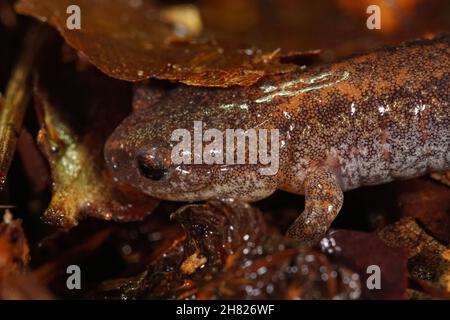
(227, 250)
(15, 280)
(48, 272)
(429, 203)
(428, 260)
(230, 253)
(14, 251)
(8, 17)
(135, 41)
(79, 110)
(359, 251)
(443, 177)
(393, 14)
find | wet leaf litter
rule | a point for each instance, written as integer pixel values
(219, 249)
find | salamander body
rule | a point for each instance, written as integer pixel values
(366, 120)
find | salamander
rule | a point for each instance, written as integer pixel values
(365, 120)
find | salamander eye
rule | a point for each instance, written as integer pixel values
(150, 166)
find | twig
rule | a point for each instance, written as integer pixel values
(14, 104)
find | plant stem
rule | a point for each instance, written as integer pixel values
(17, 95)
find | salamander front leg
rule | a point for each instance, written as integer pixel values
(323, 200)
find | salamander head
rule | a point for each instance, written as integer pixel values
(143, 152)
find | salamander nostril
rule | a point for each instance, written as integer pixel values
(150, 167)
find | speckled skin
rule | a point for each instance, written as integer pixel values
(366, 120)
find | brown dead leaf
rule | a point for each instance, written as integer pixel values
(24, 287)
(429, 203)
(443, 177)
(428, 259)
(192, 263)
(8, 17)
(230, 253)
(56, 267)
(359, 250)
(14, 251)
(393, 14)
(78, 111)
(16, 282)
(135, 42)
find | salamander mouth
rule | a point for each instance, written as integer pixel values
(176, 188)
(190, 195)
